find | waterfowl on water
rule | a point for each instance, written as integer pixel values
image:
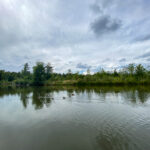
(64, 97)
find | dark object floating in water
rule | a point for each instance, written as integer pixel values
(72, 94)
(64, 97)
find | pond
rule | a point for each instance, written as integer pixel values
(75, 118)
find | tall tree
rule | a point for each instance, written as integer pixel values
(48, 70)
(115, 73)
(140, 70)
(25, 71)
(2, 73)
(131, 69)
(69, 71)
(39, 73)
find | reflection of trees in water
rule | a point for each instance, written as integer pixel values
(136, 96)
(143, 96)
(44, 95)
(101, 93)
(24, 97)
(41, 97)
(70, 92)
(132, 94)
(89, 93)
(4, 91)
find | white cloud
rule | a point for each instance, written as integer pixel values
(60, 32)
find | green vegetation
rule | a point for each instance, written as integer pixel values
(43, 75)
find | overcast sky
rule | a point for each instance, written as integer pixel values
(76, 34)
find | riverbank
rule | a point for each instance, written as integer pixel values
(93, 83)
(114, 82)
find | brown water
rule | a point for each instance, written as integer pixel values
(67, 118)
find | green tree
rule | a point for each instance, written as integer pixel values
(25, 71)
(131, 69)
(140, 70)
(2, 73)
(69, 71)
(48, 70)
(115, 73)
(39, 73)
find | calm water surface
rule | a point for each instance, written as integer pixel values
(67, 118)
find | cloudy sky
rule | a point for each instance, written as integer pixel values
(76, 34)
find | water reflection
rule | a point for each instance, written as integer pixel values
(91, 118)
(24, 97)
(43, 96)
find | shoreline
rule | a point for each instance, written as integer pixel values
(63, 83)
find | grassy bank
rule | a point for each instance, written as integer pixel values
(98, 82)
(80, 82)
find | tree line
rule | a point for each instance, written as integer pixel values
(42, 74)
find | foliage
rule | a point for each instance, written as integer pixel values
(39, 73)
(25, 71)
(131, 69)
(43, 75)
(48, 71)
(140, 70)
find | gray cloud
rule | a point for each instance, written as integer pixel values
(122, 60)
(144, 55)
(105, 24)
(106, 60)
(82, 66)
(96, 8)
(58, 31)
(148, 59)
(142, 38)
